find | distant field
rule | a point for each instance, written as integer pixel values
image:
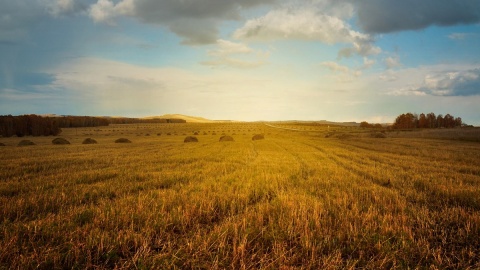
(305, 197)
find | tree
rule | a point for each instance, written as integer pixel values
(448, 121)
(431, 120)
(458, 122)
(440, 121)
(422, 121)
(365, 124)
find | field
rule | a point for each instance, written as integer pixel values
(305, 197)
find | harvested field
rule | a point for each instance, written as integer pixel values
(294, 200)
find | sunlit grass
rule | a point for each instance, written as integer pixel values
(293, 200)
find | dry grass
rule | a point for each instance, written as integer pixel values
(25, 143)
(295, 201)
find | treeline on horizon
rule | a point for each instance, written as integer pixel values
(35, 125)
(430, 120)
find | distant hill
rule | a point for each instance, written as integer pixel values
(189, 119)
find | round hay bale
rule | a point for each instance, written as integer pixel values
(25, 143)
(195, 133)
(2, 144)
(89, 141)
(258, 137)
(60, 141)
(226, 138)
(378, 135)
(122, 140)
(189, 139)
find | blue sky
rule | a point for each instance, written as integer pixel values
(341, 60)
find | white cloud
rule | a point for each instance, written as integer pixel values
(367, 63)
(107, 11)
(345, 73)
(364, 47)
(306, 24)
(437, 80)
(333, 66)
(232, 54)
(226, 47)
(392, 62)
(388, 76)
(452, 83)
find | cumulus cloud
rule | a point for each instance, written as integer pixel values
(196, 22)
(307, 24)
(232, 54)
(453, 83)
(386, 16)
(364, 47)
(436, 81)
(304, 24)
(107, 11)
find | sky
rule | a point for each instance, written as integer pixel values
(336, 60)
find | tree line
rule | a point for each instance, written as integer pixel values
(35, 125)
(32, 125)
(430, 120)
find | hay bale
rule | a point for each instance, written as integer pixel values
(189, 139)
(378, 135)
(2, 144)
(60, 141)
(122, 140)
(89, 141)
(258, 137)
(25, 143)
(226, 139)
(195, 133)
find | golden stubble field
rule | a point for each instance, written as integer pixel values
(321, 198)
